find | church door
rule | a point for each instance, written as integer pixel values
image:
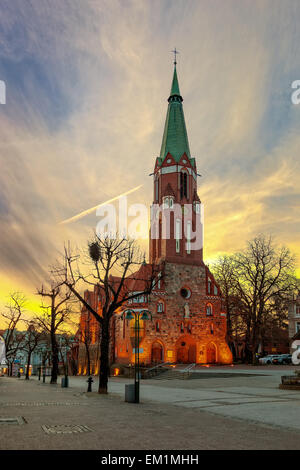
(211, 355)
(182, 355)
(192, 353)
(157, 353)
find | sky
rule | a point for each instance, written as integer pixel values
(86, 98)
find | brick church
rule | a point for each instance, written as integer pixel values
(188, 321)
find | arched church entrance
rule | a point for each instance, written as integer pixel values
(186, 351)
(157, 353)
(211, 353)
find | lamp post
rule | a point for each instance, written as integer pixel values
(136, 315)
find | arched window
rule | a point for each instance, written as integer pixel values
(183, 184)
(209, 286)
(124, 326)
(182, 328)
(157, 327)
(209, 310)
(188, 237)
(178, 235)
(168, 202)
(189, 328)
(160, 306)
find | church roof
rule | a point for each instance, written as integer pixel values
(175, 139)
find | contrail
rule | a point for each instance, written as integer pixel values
(92, 209)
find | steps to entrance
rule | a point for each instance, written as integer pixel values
(171, 374)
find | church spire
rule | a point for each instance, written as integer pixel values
(175, 139)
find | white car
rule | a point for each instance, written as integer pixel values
(268, 359)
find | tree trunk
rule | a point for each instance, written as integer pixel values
(88, 356)
(104, 358)
(54, 370)
(28, 365)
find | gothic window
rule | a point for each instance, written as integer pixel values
(209, 310)
(160, 307)
(178, 235)
(168, 202)
(124, 326)
(209, 286)
(182, 328)
(196, 205)
(215, 290)
(159, 281)
(188, 236)
(157, 327)
(189, 328)
(183, 185)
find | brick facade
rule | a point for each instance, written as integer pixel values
(188, 323)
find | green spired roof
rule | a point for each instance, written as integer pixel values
(175, 139)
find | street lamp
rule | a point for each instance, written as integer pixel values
(136, 315)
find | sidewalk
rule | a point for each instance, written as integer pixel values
(110, 423)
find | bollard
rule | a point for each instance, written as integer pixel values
(90, 381)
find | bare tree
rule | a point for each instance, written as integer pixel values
(53, 316)
(13, 317)
(258, 280)
(31, 340)
(223, 271)
(109, 263)
(85, 337)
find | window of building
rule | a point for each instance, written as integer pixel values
(297, 327)
(168, 202)
(183, 185)
(182, 328)
(189, 328)
(124, 325)
(157, 327)
(178, 235)
(209, 310)
(185, 292)
(215, 290)
(196, 205)
(209, 286)
(159, 281)
(160, 307)
(188, 236)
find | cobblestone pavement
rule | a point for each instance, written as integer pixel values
(56, 418)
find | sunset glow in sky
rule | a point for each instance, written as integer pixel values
(87, 84)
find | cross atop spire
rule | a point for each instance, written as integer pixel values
(175, 52)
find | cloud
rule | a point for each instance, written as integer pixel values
(87, 86)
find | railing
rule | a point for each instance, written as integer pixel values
(188, 369)
(157, 367)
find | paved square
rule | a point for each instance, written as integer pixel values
(237, 412)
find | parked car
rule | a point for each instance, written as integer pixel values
(268, 359)
(282, 359)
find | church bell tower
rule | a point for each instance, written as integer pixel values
(176, 214)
